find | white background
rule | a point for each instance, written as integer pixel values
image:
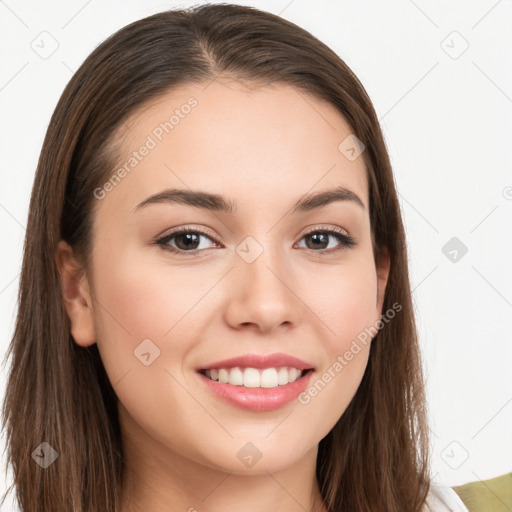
(447, 121)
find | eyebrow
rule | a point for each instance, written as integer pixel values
(218, 203)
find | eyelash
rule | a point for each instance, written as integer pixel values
(346, 241)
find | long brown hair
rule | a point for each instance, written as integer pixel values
(376, 456)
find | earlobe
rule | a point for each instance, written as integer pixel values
(76, 294)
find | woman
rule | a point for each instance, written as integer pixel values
(263, 367)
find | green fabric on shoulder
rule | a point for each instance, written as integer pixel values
(493, 495)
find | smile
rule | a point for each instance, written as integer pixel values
(255, 377)
(256, 397)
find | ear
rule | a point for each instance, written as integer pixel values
(76, 294)
(382, 269)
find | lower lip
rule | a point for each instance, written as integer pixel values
(258, 399)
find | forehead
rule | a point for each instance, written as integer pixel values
(221, 136)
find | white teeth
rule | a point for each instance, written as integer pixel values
(251, 378)
(293, 374)
(269, 378)
(255, 378)
(236, 377)
(282, 376)
(223, 376)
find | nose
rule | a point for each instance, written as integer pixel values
(262, 295)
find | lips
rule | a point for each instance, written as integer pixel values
(267, 397)
(260, 362)
(257, 399)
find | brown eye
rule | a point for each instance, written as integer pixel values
(185, 240)
(319, 240)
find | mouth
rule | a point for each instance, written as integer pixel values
(256, 389)
(256, 377)
(257, 382)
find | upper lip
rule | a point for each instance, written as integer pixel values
(276, 360)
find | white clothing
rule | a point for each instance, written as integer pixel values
(444, 499)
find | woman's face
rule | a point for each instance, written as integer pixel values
(245, 281)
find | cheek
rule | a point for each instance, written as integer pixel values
(346, 302)
(333, 387)
(146, 328)
(141, 297)
(137, 302)
(347, 309)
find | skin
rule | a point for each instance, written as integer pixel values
(263, 148)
